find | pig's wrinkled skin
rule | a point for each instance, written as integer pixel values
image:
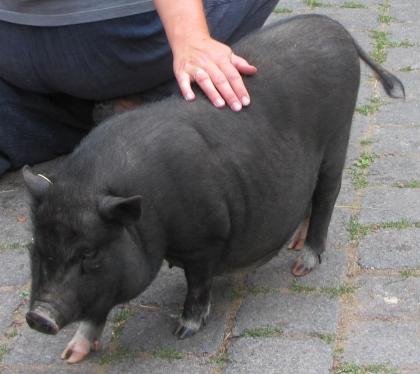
(209, 190)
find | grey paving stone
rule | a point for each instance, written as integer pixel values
(277, 273)
(352, 19)
(279, 355)
(347, 193)
(9, 302)
(358, 131)
(393, 170)
(33, 348)
(15, 267)
(294, 313)
(383, 343)
(14, 218)
(152, 330)
(396, 139)
(390, 249)
(169, 287)
(399, 58)
(399, 113)
(54, 369)
(390, 204)
(388, 297)
(404, 30)
(191, 365)
(405, 11)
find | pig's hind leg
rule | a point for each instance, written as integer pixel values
(323, 200)
(197, 302)
(297, 242)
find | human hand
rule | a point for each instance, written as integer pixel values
(215, 68)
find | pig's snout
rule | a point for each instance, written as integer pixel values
(42, 320)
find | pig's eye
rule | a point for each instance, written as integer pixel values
(89, 253)
(90, 261)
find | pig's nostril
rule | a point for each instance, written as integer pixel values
(41, 321)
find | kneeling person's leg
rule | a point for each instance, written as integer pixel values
(36, 127)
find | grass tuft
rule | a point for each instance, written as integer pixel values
(301, 288)
(282, 11)
(315, 4)
(116, 356)
(327, 338)
(168, 354)
(411, 184)
(353, 5)
(263, 332)
(350, 368)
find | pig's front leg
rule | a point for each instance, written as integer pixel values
(86, 339)
(197, 302)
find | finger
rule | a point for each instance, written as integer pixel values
(236, 84)
(242, 65)
(184, 83)
(203, 80)
(223, 86)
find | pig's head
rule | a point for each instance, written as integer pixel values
(86, 256)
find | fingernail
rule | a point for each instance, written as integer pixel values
(219, 102)
(189, 96)
(245, 100)
(236, 106)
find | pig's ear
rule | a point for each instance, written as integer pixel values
(37, 184)
(123, 209)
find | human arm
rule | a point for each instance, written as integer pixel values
(200, 58)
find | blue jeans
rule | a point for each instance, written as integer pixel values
(50, 77)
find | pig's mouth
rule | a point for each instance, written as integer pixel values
(43, 319)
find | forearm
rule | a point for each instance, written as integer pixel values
(182, 19)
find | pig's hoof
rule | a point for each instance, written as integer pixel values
(78, 349)
(186, 328)
(305, 263)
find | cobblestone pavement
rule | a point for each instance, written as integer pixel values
(359, 312)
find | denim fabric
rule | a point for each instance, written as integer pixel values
(50, 77)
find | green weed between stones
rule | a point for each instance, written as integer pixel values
(349, 368)
(119, 321)
(358, 174)
(4, 350)
(371, 107)
(282, 11)
(301, 288)
(365, 142)
(405, 274)
(315, 4)
(11, 246)
(11, 333)
(168, 354)
(384, 16)
(263, 332)
(338, 291)
(407, 69)
(411, 184)
(24, 294)
(365, 160)
(220, 359)
(358, 231)
(353, 5)
(116, 356)
(327, 338)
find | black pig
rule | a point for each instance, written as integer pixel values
(209, 190)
